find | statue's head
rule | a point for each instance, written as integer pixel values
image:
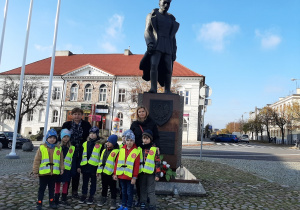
(164, 5)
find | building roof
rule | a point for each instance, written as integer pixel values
(115, 64)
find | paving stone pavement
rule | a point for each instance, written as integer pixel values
(227, 188)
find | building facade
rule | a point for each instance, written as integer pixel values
(106, 87)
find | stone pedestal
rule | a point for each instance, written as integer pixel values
(167, 111)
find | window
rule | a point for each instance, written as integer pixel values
(7, 117)
(134, 97)
(185, 124)
(88, 92)
(34, 94)
(42, 115)
(186, 95)
(121, 95)
(30, 116)
(54, 116)
(74, 92)
(56, 93)
(120, 116)
(102, 93)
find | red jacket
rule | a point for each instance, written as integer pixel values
(136, 165)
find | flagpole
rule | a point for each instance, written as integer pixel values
(3, 28)
(12, 154)
(51, 70)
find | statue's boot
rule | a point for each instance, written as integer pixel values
(153, 78)
(168, 80)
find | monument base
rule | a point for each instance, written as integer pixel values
(181, 187)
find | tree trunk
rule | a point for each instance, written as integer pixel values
(282, 136)
(268, 133)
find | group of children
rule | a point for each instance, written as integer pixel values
(56, 163)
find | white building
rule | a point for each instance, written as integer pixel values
(102, 85)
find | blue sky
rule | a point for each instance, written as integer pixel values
(248, 50)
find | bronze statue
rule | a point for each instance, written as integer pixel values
(157, 63)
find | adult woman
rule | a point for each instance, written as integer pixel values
(142, 123)
(79, 133)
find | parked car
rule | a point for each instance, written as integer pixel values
(227, 138)
(213, 137)
(244, 138)
(6, 138)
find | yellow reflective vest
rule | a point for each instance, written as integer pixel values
(95, 156)
(68, 158)
(126, 166)
(108, 168)
(149, 166)
(45, 166)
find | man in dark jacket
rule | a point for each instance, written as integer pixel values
(79, 133)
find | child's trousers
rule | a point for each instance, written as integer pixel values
(47, 180)
(147, 188)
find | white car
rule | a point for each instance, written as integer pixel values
(244, 138)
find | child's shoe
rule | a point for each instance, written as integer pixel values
(82, 199)
(90, 200)
(52, 204)
(64, 199)
(56, 198)
(102, 201)
(121, 208)
(113, 204)
(143, 206)
(152, 207)
(39, 205)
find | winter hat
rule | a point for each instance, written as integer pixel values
(148, 133)
(95, 130)
(113, 139)
(65, 132)
(51, 132)
(129, 135)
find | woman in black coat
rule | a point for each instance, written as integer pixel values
(142, 123)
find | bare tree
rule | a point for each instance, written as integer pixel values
(280, 119)
(266, 117)
(33, 96)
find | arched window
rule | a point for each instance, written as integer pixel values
(88, 92)
(42, 115)
(54, 116)
(74, 92)
(120, 116)
(102, 93)
(185, 124)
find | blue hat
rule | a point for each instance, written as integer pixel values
(94, 130)
(129, 135)
(148, 133)
(113, 139)
(65, 132)
(51, 132)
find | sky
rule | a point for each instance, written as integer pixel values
(248, 50)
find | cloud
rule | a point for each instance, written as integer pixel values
(268, 39)
(43, 48)
(113, 34)
(216, 34)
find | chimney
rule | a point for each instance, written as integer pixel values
(280, 98)
(127, 51)
(298, 91)
(63, 53)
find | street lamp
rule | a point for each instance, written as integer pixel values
(293, 79)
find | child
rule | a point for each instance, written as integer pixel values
(70, 167)
(47, 164)
(127, 169)
(106, 169)
(90, 153)
(149, 170)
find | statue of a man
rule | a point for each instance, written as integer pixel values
(157, 62)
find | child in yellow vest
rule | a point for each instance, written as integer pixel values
(149, 170)
(89, 158)
(47, 164)
(127, 169)
(68, 152)
(106, 169)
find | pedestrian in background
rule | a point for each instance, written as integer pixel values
(79, 132)
(47, 164)
(70, 167)
(89, 161)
